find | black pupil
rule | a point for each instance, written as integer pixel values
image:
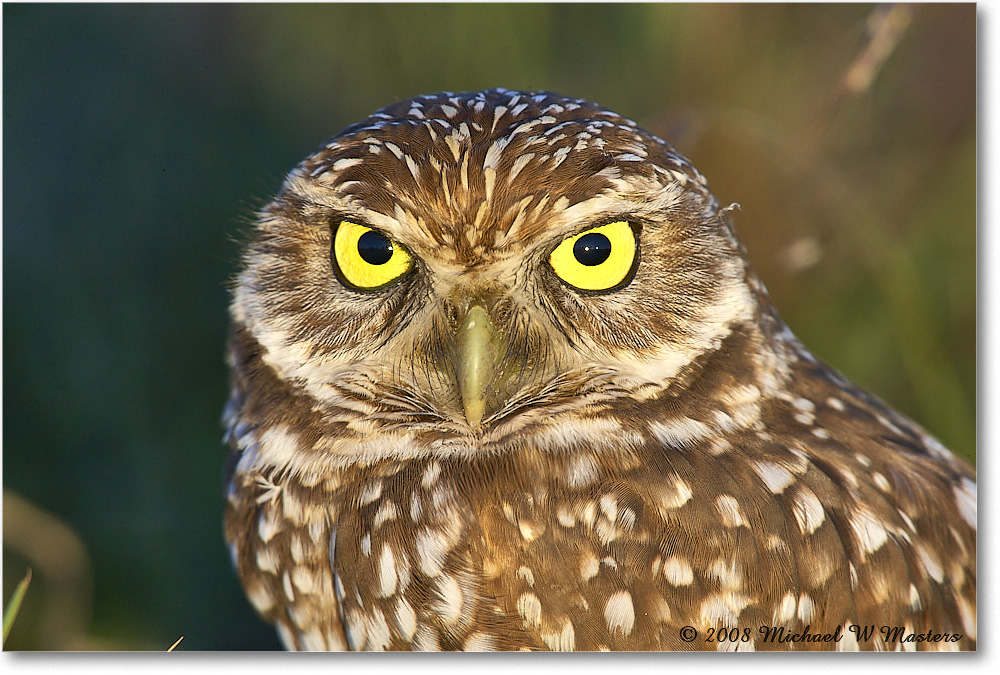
(374, 248)
(592, 249)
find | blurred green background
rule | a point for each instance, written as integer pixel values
(138, 140)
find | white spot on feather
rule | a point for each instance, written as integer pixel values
(449, 604)
(776, 477)
(582, 471)
(395, 149)
(585, 434)
(727, 572)
(379, 637)
(565, 516)
(677, 571)
(729, 509)
(680, 432)
(519, 164)
(804, 418)
(807, 510)
(291, 507)
(677, 496)
(967, 610)
(490, 177)
(563, 641)
(525, 573)
(869, 531)
(530, 530)
(786, 610)
(493, 155)
(305, 581)
(431, 474)
(806, 608)
(279, 446)
(498, 112)
(406, 619)
(619, 612)
(426, 639)
(432, 548)
(412, 166)
(342, 164)
(804, 404)
(267, 561)
(371, 492)
(881, 482)
(888, 425)
(930, 563)
(589, 566)
(723, 608)
(267, 525)
(260, 597)
(480, 642)
(530, 607)
(965, 498)
(609, 506)
(387, 577)
(387, 511)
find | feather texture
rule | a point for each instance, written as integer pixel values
(660, 458)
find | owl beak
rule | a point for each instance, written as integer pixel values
(476, 363)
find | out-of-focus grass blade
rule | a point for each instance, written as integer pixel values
(14, 605)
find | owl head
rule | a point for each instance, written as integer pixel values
(457, 266)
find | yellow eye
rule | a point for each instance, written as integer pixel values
(597, 259)
(367, 259)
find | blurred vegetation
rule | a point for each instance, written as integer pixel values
(14, 605)
(139, 139)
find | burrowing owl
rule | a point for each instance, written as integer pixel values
(503, 379)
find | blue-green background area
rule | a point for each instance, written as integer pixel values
(139, 140)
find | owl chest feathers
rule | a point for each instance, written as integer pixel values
(611, 530)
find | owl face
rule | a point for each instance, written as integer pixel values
(482, 260)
